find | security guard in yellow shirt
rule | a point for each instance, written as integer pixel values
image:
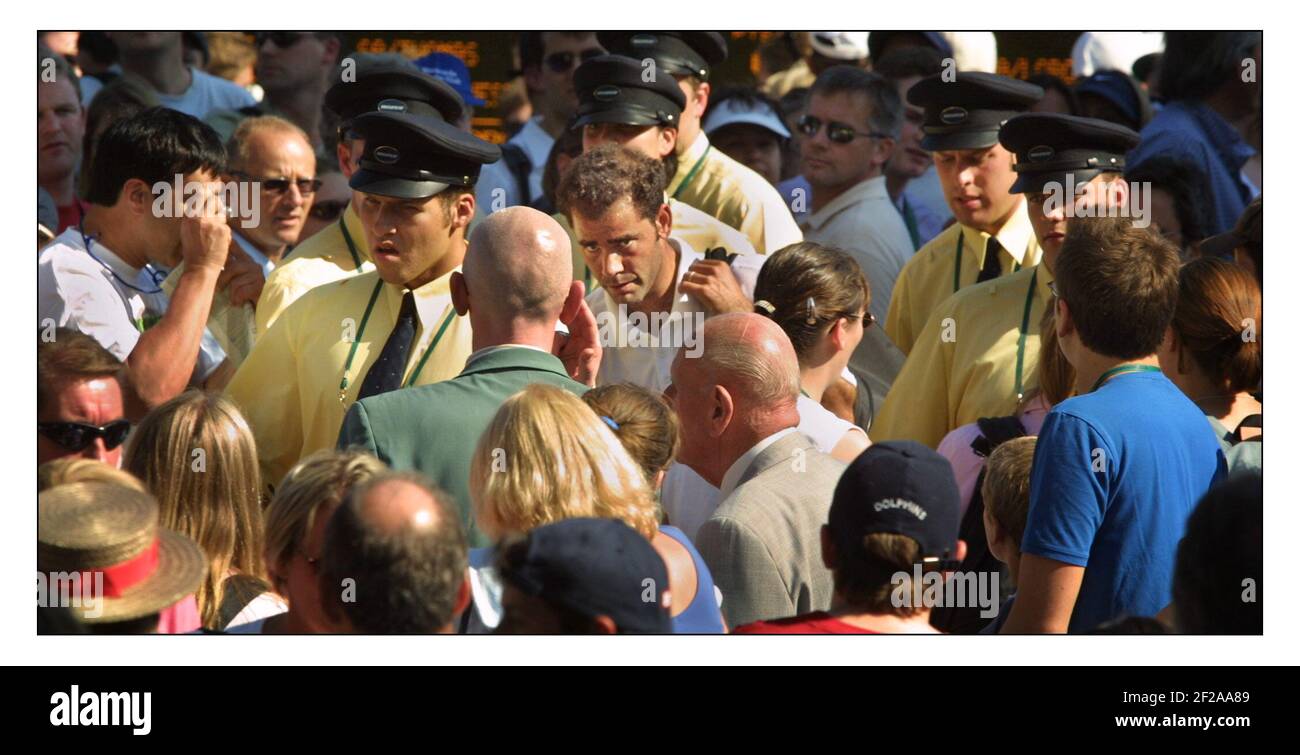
(992, 236)
(378, 331)
(706, 178)
(978, 354)
(340, 250)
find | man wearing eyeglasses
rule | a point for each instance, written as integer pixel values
(707, 178)
(549, 60)
(80, 410)
(274, 156)
(992, 236)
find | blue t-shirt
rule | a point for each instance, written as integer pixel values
(1116, 474)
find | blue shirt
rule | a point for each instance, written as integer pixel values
(922, 223)
(1194, 133)
(1116, 474)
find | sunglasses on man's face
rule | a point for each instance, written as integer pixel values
(277, 186)
(840, 133)
(282, 39)
(328, 210)
(75, 436)
(563, 62)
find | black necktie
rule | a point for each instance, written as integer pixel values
(386, 373)
(992, 265)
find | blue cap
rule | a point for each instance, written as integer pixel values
(451, 69)
(594, 567)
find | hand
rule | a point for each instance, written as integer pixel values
(715, 287)
(205, 238)
(580, 350)
(242, 279)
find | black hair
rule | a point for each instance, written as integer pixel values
(1185, 185)
(1196, 63)
(153, 146)
(1051, 83)
(1219, 571)
(905, 62)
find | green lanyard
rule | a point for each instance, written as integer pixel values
(352, 247)
(1024, 335)
(1123, 369)
(365, 318)
(956, 272)
(690, 176)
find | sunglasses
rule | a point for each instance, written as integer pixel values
(282, 39)
(840, 133)
(563, 62)
(281, 185)
(328, 210)
(75, 436)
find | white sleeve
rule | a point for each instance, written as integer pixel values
(84, 301)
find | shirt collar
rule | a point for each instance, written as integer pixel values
(872, 188)
(352, 222)
(106, 256)
(535, 141)
(489, 350)
(254, 253)
(1014, 236)
(431, 299)
(740, 466)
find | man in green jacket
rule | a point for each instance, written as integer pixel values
(516, 284)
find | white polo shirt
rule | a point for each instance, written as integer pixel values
(644, 355)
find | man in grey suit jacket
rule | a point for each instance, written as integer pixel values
(736, 403)
(516, 283)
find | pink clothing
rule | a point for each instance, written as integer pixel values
(966, 464)
(180, 618)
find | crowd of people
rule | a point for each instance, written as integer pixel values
(886, 343)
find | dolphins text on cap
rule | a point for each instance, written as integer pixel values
(898, 503)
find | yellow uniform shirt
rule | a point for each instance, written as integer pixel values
(323, 258)
(929, 277)
(288, 387)
(722, 188)
(699, 231)
(963, 365)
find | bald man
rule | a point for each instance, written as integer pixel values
(394, 537)
(516, 285)
(736, 402)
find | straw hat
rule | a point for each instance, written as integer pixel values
(99, 528)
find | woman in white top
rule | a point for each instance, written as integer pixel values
(819, 297)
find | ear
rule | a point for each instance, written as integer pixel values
(459, 293)
(664, 221)
(667, 142)
(959, 552)
(603, 625)
(1064, 323)
(1118, 193)
(573, 302)
(462, 212)
(139, 197)
(723, 411)
(331, 56)
(658, 481)
(884, 150)
(839, 333)
(702, 97)
(344, 155)
(533, 78)
(829, 557)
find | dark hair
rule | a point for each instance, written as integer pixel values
(98, 45)
(866, 576)
(1120, 283)
(806, 272)
(532, 46)
(1217, 302)
(567, 144)
(1055, 83)
(905, 62)
(1196, 63)
(405, 582)
(72, 355)
(120, 99)
(153, 146)
(886, 106)
(1222, 548)
(600, 178)
(1185, 185)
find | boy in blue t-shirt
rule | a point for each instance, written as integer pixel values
(1119, 468)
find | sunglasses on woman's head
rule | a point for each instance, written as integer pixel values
(563, 62)
(840, 133)
(75, 436)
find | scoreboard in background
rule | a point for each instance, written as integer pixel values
(490, 58)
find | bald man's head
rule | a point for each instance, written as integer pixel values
(398, 544)
(752, 357)
(519, 265)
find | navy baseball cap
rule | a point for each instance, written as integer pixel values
(1049, 147)
(450, 69)
(900, 488)
(594, 567)
(964, 110)
(1120, 90)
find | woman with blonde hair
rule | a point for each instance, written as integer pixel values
(544, 458)
(196, 454)
(295, 533)
(647, 427)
